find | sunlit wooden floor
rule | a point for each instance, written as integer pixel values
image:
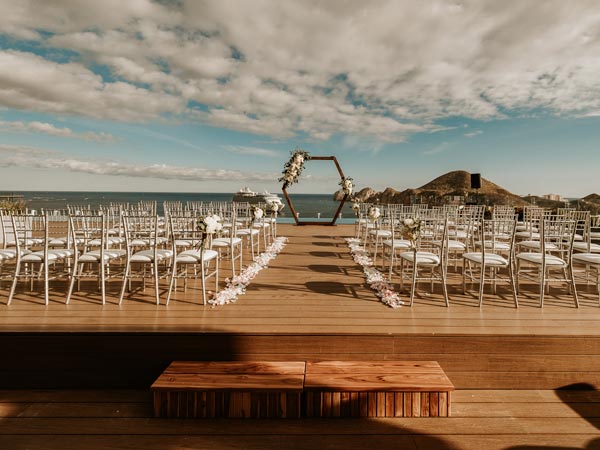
(313, 286)
(481, 420)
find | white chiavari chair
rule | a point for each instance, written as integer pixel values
(231, 244)
(93, 255)
(429, 254)
(145, 254)
(552, 256)
(186, 229)
(496, 253)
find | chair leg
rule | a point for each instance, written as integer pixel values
(444, 286)
(511, 275)
(125, 280)
(156, 282)
(14, 283)
(542, 286)
(72, 283)
(171, 281)
(102, 282)
(481, 284)
(573, 286)
(413, 284)
(202, 272)
(46, 284)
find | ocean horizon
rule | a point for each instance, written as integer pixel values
(307, 205)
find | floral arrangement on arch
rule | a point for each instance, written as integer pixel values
(411, 228)
(347, 185)
(294, 167)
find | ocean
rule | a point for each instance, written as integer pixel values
(309, 206)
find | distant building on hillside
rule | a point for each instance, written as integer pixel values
(554, 197)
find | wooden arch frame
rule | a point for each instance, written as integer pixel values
(337, 213)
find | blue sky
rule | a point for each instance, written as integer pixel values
(200, 96)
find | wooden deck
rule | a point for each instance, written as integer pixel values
(311, 304)
(122, 420)
(313, 286)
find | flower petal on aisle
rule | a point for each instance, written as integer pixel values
(237, 285)
(375, 279)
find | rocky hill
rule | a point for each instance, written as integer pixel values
(449, 187)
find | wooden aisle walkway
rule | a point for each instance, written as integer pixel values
(121, 420)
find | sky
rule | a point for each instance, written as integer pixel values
(210, 96)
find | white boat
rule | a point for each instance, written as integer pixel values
(247, 195)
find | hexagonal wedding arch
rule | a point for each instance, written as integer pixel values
(337, 213)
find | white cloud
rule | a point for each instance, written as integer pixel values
(21, 156)
(252, 151)
(473, 133)
(48, 128)
(380, 70)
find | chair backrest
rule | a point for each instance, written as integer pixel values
(30, 232)
(186, 232)
(503, 212)
(558, 231)
(496, 234)
(88, 232)
(583, 225)
(141, 232)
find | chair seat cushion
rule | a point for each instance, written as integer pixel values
(147, 256)
(502, 246)
(536, 258)
(454, 245)
(11, 253)
(397, 243)
(62, 252)
(491, 259)
(94, 255)
(527, 235)
(587, 258)
(423, 258)
(583, 247)
(226, 242)
(247, 232)
(535, 245)
(196, 256)
(381, 233)
(39, 257)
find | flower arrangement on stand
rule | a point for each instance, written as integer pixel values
(207, 226)
(237, 285)
(257, 213)
(374, 213)
(375, 279)
(294, 167)
(411, 228)
(356, 208)
(347, 185)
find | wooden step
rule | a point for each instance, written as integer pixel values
(376, 389)
(198, 389)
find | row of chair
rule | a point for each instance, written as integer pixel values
(132, 245)
(545, 247)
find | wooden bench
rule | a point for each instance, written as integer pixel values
(239, 389)
(233, 389)
(376, 389)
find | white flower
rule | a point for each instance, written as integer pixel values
(298, 158)
(374, 213)
(409, 222)
(258, 213)
(274, 206)
(355, 206)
